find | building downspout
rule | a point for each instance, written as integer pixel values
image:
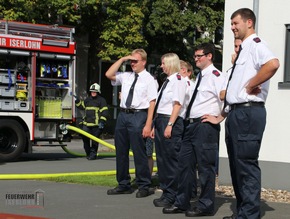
(256, 11)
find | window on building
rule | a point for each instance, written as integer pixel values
(286, 82)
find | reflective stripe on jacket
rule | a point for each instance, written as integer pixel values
(96, 109)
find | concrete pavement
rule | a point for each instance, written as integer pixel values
(67, 201)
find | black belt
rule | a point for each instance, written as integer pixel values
(247, 104)
(192, 120)
(163, 115)
(132, 110)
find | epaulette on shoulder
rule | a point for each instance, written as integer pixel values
(188, 83)
(178, 77)
(257, 39)
(216, 73)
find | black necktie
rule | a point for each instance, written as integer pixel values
(131, 91)
(231, 75)
(159, 97)
(235, 62)
(193, 96)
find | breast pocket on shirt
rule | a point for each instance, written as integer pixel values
(204, 90)
(241, 61)
(167, 97)
(141, 90)
(127, 85)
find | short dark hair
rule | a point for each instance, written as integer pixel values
(246, 14)
(207, 48)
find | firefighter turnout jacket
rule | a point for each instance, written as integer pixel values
(96, 110)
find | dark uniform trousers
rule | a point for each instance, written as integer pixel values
(199, 146)
(95, 131)
(128, 133)
(167, 150)
(244, 132)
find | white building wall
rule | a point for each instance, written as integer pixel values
(273, 15)
(276, 146)
(275, 150)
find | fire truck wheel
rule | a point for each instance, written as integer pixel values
(12, 140)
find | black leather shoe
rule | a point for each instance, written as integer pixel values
(162, 202)
(156, 200)
(230, 217)
(197, 213)
(144, 193)
(172, 210)
(193, 198)
(118, 191)
(92, 157)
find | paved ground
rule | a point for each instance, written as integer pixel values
(67, 201)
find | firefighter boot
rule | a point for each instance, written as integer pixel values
(93, 154)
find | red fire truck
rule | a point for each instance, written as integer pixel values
(37, 79)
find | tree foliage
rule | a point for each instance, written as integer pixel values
(122, 30)
(179, 25)
(115, 27)
(39, 11)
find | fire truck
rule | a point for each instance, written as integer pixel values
(37, 79)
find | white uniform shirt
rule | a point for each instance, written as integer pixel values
(227, 75)
(174, 91)
(189, 91)
(254, 54)
(207, 100)
(145, 89)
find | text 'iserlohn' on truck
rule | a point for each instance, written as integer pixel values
(37, 79)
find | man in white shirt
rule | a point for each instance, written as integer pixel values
(246, 114)
(134, 122)
(201, 140)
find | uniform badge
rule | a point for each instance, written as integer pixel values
(216, 73)
(257, 39)
(178, 77)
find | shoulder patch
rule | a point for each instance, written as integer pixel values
(257, 39)
(216, 73)
(178, 76)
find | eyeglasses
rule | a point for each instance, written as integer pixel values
(199, 56)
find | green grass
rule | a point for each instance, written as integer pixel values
(109, 181)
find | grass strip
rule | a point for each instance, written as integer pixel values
(109, 181)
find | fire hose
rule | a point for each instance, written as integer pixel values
(94, 138)
(50, 175)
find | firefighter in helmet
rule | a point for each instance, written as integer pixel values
(94, 120)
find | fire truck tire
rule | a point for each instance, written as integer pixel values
(12, 140)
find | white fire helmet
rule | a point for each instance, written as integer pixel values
(95, 88)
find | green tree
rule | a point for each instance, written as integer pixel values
(39, 11)
(165, 27)
(115, 27)
(123, 28)
(179, 25)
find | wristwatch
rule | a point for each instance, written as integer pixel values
(170, 123)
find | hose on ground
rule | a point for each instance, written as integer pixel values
(94, 138)
(30, 176)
